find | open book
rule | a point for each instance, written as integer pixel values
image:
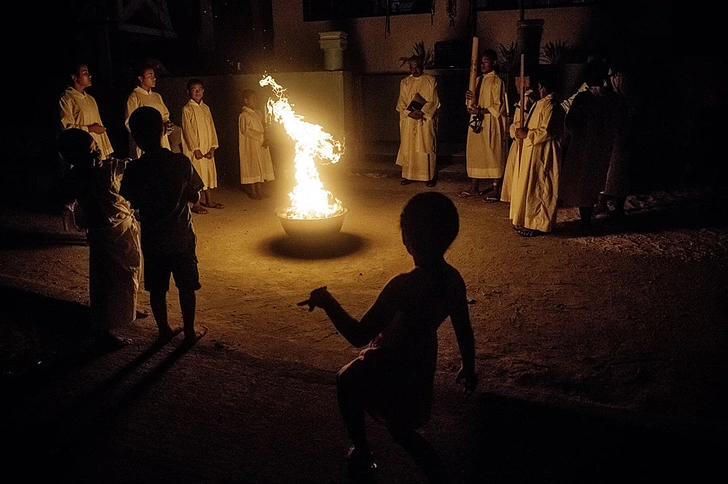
(417, 103)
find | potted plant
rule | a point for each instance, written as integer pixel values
(426, 56)
(564, 61)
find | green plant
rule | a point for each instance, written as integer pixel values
(426, 56)
(558, 52)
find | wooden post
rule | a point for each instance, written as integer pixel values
(523, 102)
(474, 57)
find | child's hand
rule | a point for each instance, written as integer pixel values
(468, 379)
(317, 298)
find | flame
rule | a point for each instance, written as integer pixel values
(309, 198)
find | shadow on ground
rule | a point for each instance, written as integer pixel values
(489, 439)
(519, 441)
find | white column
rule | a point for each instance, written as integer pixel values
(333, 44)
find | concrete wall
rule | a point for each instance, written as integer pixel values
(372, 50)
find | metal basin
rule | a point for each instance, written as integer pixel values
(311, 227)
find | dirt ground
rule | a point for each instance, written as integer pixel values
(601, 357)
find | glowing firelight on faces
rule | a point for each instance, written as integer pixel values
(309, 198)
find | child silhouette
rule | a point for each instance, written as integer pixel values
(392, 379)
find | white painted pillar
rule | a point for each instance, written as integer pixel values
(333, 44)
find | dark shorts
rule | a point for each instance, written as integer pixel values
(183, 267)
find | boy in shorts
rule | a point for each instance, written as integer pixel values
(160, 185)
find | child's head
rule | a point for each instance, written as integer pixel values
(80, 76)
(78, 148)
(596, 73)
(146, 77)
(429, 223)
(250, 98)
(147, 127)
(195, 89)
(488, 60)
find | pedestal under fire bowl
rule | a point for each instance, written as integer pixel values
(311, 227)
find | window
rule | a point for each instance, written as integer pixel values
(339, 9)
(314, 10)
(515, 4)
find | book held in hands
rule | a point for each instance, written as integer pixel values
(417, 103)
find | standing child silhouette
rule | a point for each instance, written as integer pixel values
(392, 379)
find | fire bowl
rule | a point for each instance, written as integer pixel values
(311, 227)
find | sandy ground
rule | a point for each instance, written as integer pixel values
(600, 357)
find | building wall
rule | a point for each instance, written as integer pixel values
(372, 50)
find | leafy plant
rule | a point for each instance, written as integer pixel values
(507, 57)
(558, 52)
(426, 56)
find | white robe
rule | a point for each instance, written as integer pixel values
(113, 232)
(199, 133)
(79, 110)
(418, 143)
(256, 164)
(512, 163)
(140, 97)
(535, 183)
(486, 152)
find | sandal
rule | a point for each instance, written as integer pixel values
(491, 199)
(466, 194)
(200, 209)
(526, 232)
(215, 205)
(485, 192)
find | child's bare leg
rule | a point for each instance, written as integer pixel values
(188, 306)
(352, 411)
(350, 394)
(158, 302)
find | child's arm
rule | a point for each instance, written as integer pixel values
(190, 133)
(358, 333)
(460, 318)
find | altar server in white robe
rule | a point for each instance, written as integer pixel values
(535, 184)
(199, 142)
(256, 164)
(486, 147)
(143, 95)
(78, 109)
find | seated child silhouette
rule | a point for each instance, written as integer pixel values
(392, 379)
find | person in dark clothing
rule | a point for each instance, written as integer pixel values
(160, 185)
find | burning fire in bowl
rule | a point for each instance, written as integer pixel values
(314, 211)
(311, 227)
